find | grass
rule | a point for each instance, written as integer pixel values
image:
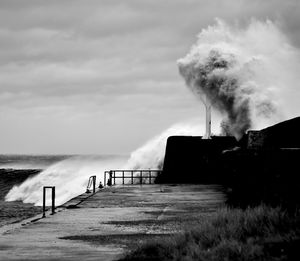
(261, 233)
(123, 240)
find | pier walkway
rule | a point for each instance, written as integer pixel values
(102, 226)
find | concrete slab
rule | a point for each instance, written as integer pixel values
(93, 227)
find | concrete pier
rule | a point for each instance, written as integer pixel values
(102, 226)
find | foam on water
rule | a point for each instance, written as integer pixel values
(26, 162)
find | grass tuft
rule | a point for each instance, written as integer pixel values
(261, 233)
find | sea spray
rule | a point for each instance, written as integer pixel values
(69, 176)
(242, 72)
(151, 154)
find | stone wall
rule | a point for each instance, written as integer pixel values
(285, 134)
(193, 159)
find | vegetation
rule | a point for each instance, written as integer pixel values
(260, 233)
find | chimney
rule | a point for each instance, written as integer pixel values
(207, 105)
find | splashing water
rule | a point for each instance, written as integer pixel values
(151, 155)
(241, 72)
(70, 176)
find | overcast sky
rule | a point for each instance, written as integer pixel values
(99, 76)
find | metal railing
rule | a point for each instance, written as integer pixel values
(91, 182)
(52, 197)
(135, 176)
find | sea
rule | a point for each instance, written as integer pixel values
(22, 178)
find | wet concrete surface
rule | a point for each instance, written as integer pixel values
(102, 226)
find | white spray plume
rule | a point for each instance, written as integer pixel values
(69, 176)
(242, 72)
(151, 155)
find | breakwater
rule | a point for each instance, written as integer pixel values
(260, 167)
(108, 223)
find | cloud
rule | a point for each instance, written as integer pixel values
(115, 58)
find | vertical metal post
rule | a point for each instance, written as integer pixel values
(110, 178)
(44, 202)
(94, 184)
(149, 176)
(123, 177)
(132, 177)
(141, 178)
(104, 178)
(114, 178)
(53, 200)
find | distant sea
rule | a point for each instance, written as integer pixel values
(15, 169)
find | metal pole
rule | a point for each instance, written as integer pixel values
(53, 200)
(141, 180)
(114, 178)
(94, 184)
(44, 202)
(132, 177)
(149, 176)
(123, 176)
(110, 178)
(89, 183)
(104, 178)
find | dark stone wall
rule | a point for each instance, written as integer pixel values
(262, 167)
(256, 176)
(190, 159)
(282, 135)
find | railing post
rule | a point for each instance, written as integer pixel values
(110, 178)
(141, 178)
(88, 186)
(44, 202)
(53, 200)
(132, 177)
(114, 178)
(149, 176)
(123, 177)
(94, 184)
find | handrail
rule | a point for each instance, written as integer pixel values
(136, 170)
(52, 197)
(151, 174)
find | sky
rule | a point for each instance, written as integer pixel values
(100, 76)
